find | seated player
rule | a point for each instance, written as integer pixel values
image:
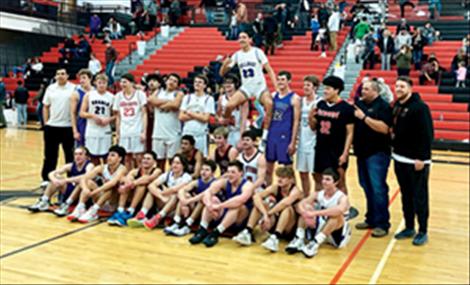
(324, 213)
(193, 156)
(231, 209)
(75, 171)
(275, 206)
(163, 191)
(224, 152)
(189, 207)
(135, 185)
(253, 160)
(100, 185)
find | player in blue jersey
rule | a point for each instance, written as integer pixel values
(79, 124)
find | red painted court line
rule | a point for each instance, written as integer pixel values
(358, 247)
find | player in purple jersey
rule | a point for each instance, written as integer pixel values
(79, 124)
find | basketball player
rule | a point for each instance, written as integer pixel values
(307, 136)
(97, 109)
(324, 213)
(224, 152)
(135, 185)
(333, 119)
(166, 126)
(273, 207)
(79, 124)
(253, 161)
(195, 113)
(193, 156)
(131, 120)
(75, 171)
(282, 138)
(100, 185)
(163, 191)
(251, 61)
(232, 208)
(237, 124)
(154, 85)
(189, 207)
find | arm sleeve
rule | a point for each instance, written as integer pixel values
(47, 99)
(210, 106)
(184, 104)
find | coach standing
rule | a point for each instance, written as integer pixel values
(58, 126)
(372, 148)
(412, 137)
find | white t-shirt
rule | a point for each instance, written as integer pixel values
(94, 66)
(251, 65)
(58, 99)
(236, 114)
(197, 104)
(170, 181)
(130, 113)
(100, 105)
(307, 137)
(166, 124)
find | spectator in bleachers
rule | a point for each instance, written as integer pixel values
(418, 42)
(270, 29)
(38, 98)
(387, 48)
(403, 26)
(403, 4)
(83, 49)
(114, 29)
(281, 16)
(23, 69)
(150, 13)
(323, 15)
(209, 7)
(466, 44)
(303, 13)
(333, 27)
(175, 12)
(3, 97)
(435, 7)
(461, 75)
(95, 26)
(429, 73)
(110, 57)
(36, 67)
(430, 33)
(242, 17)
(233, 35)
(404, 58)
(315, 27)
(369, 54)
(94, 65)
(258, 30)
(68, 51)
(402, 39)
(21, 97)
(461, 56)
(361, 29)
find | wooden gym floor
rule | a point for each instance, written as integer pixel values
(41, 248)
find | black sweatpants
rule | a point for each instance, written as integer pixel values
(53, 137)
(414, 194)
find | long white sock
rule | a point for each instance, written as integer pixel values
(162, 213)
(144, 210)
(131, 210)
(300, 233)
(69, 201)
(320, 238)
(44, 198)
(121, 209)
(220, 228)
(81, 206)
(177, 219)
(95, 208)
(189, 221)
(265, 135)
(204, 224)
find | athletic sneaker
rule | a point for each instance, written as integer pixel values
(150, 224)
(212, 239)
(138, 221)
(243, 238)
(76, 214)
(39, 206)
(295, 245)
(199, 236)
(121, 220)
(272, 243)
(44, 184)
(406, 233)
(62, 210)
(170, 230)
(112, 221)
(182, 231)
(89, 216)
(353, 212)
(310, 249)
(420, 239)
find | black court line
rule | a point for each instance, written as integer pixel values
(450, 162)
(34, 245)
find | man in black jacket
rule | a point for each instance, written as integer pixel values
(386, 45)
(21, 102)
(412, 137)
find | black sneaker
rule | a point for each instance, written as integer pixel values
(420, 239)
(353, 212)
(212, 239)
(406, 233)
(198, 236)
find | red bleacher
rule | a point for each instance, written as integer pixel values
(411, 15)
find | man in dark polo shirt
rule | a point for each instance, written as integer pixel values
(372, 148)
(412, 137)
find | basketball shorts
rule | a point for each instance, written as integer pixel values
(339, 238)
(305, 161)
(165, 148)
(276, 149)
(98, 146)
(132, 144)
(253, 89)
(327, 159)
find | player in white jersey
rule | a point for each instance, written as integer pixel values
(253, 160)
(97, 109)
(131, 120)
(195, 113)
(307, 136)
(251, 61)
(237, 123)
(323, 214)
(167, 127)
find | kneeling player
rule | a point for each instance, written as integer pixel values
(75, 171)
(274, 206)
(232, 209)
(99, 184)
(326, 221)
(189, 205)
(135, 184)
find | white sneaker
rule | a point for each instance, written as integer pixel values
(182, 231)
(272, 243)
(39, 206)
(76, 214)
(62, 210)
(171, 229)
(89, 216)
(243, 238)
(323, 54)
(295, 245)
(44, 184)
(310, 249)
